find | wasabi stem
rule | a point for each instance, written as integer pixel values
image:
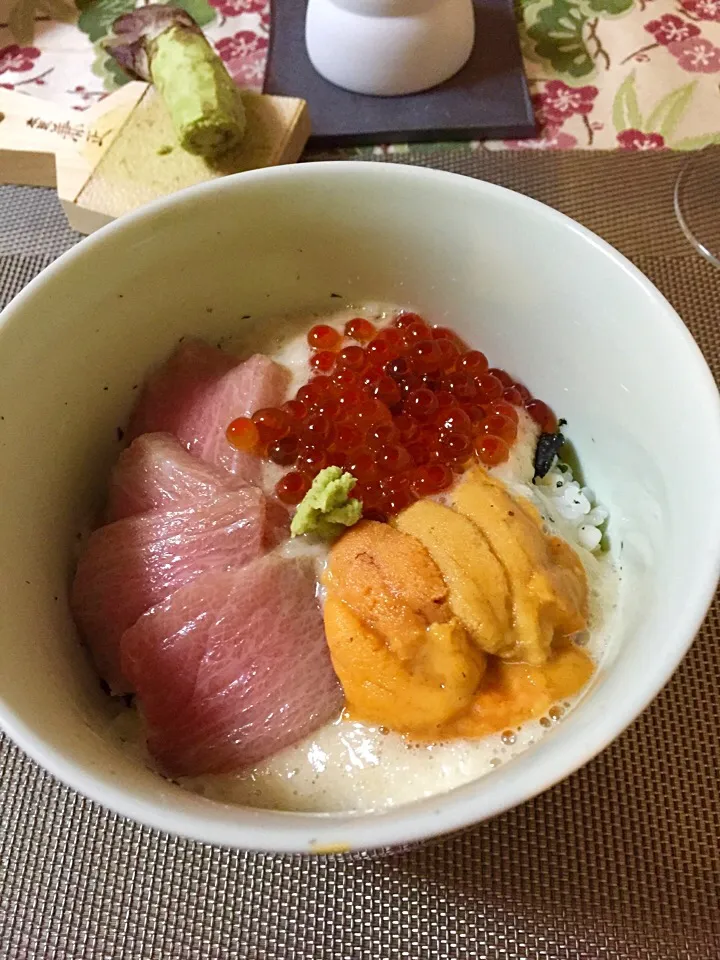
(163, 45)
(327, 508)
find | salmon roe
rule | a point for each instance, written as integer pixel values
(243, 435)
(292, 487)
(323, 337)
(404, 408)
(323, 361)
(360, 329)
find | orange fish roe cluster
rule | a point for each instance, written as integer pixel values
(404, 408)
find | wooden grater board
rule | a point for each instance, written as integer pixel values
(122, 153)
(143, 164)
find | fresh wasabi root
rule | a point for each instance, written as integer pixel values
(163, 45)
(327, 508)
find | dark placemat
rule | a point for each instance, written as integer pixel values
(487, 99)
(619, 862)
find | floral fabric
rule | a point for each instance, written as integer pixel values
(63, 59)
(623, 74)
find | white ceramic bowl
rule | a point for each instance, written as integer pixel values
(542, 296)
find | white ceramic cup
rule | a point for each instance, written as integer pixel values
(389, 47)
(544, 298)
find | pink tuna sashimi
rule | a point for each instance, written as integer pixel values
(258, 382)
(199, 391)
(135, 563)
(172, 392)
(156, 472)
(233, 667)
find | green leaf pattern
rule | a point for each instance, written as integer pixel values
(626, 112)
(609, 8)
(97, 16)
(557, 32)
(669, 111)
(697, 143)
(96, 20)
(562, 34)
(199, 10)
(108, 69)
(663, 119)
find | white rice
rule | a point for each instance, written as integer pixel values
(566, 502)
(567, 508)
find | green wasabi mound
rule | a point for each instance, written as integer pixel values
(327, 508)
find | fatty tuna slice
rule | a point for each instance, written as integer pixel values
(156, 472)
(171, 393)
(258, 382)
(135, 563)
(198, 392)
(233, 667)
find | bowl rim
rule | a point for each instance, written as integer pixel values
(548, 762)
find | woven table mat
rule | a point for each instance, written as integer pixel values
(619, 862)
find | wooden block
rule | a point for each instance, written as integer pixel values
(122, 153)
(42, 144)
(144, 163)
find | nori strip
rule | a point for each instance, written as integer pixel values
(548, 447)
(552, 445)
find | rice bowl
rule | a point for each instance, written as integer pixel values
(457, 246)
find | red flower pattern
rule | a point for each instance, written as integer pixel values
(552, 138)
(702, 9)
(558, 101)
(88, 96)
(244, 55)
(671, 29)
(235, 8)
(637, 140)
(18, 59)
(249, 73)
(240, 45)
(696, 55)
